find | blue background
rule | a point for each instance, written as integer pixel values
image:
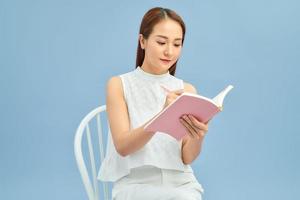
(57, 55)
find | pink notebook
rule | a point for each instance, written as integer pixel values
(201, 107)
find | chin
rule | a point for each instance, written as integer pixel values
(161, 67)
(166, 68)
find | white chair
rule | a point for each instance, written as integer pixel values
(90, 182)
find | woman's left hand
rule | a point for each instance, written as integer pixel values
(195, 128)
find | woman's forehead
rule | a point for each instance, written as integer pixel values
(168, 29)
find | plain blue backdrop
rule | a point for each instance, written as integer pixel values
(57, 55)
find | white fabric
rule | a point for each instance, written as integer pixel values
(151, 183)
(144, 98)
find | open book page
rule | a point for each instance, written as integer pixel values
(220, 97)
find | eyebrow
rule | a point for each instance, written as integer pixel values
(167, 37)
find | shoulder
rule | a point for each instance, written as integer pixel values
(114, 82)
(114, 86)
(188, 87)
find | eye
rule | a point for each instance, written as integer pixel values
(161, 43)
(177, 45)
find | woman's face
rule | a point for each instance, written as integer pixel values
(163, 46)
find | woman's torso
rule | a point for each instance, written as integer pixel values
(144, 98)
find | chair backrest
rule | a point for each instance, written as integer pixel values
(90, 182)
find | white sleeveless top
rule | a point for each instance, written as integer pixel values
(144, 98)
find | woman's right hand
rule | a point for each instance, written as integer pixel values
(171, 96)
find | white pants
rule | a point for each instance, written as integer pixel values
(151, 183)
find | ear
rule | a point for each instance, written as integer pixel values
(142, 41)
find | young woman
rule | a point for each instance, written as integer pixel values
(151, 165)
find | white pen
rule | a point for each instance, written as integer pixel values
(165, 89)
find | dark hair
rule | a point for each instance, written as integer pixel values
(150, 19)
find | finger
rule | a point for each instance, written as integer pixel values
(190, 128)
(199, 130)
(170, 99)
(191, 123)
(198, 124)
(202, 133)
(179, 92)
(172, 95)
(185, 125)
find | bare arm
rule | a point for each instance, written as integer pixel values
(192, 144)
(126, 141)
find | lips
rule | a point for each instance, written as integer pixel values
(165, 60)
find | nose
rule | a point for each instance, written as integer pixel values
(168, 51)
